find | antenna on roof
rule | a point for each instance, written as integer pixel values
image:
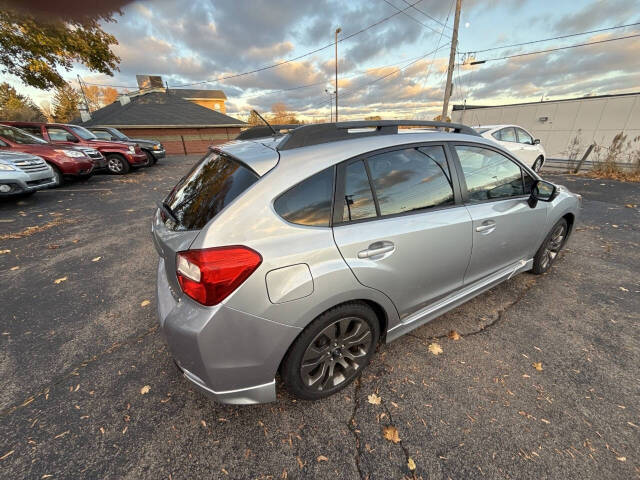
(266, 123)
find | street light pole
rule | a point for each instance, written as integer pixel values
(338, 30)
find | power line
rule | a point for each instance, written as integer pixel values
(411, 17)
(551, 38)
(284, 62)
(427, 15)
(555, 49)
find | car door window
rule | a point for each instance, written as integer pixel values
(489, 175)
(528, 182)
(507, 135)
(408, 180)
(309, 202)
(102, 135)
(358, 199)
(57, 134)
(524, 137)
(32, 130)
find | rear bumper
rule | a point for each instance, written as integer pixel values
(227, 354)
(242, 396)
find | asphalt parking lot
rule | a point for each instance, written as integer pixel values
(89, 389)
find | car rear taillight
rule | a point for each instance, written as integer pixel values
(210, 275)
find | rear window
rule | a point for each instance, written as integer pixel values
(210, 186)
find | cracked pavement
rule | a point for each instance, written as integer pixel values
(75, 356)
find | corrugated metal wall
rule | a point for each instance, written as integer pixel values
(589, 119)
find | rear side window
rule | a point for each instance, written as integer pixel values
(210, 186)
(309, 202)
(408, 180)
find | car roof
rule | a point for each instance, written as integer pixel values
(262, 154)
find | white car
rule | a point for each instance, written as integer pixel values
(518, 141)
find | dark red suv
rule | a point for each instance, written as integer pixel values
(121, 156)
(66, 162)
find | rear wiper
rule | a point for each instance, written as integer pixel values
(167, 209)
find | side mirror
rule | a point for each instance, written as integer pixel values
(542, 191)
(536, 141)
(71, 138)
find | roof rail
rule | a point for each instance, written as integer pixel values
(315, 134)
(262, 131)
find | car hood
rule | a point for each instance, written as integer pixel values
(108, 143)
(11, 157)
(144, 141)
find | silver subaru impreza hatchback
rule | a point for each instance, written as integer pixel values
(296, 250)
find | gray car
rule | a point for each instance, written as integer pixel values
(296, 252)
(23, 174)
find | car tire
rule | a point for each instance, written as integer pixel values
(550, 248)
(152, 160)
(117, 164)
(331, 352)
(537, 165)
(149, 161)
(57, 176)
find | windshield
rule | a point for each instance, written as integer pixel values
(16, 135)
(482, 130)
(82, 132)
(118, 134)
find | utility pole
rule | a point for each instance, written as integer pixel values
(338, 30)
(452, 61)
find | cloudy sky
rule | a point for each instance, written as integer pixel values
(395, 68)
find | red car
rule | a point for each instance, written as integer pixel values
(66, 162)
(121, 156)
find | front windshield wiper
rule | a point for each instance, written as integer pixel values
(167, 209)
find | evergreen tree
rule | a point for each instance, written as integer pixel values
(14, 106)
(66, 101)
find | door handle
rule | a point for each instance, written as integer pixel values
(378, 248)
(487, 227)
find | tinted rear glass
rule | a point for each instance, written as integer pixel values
(309, 202)
(210, 186)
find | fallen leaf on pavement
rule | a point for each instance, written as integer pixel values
(374, 399)
(435, 348)
(391, 434)
(145, 389)
(322, 458)
(537, 366)
(411, 464)
(59, 280)
(453, 335)
(96, 259)
(145, 303)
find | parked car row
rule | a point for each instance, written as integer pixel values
(67, 151)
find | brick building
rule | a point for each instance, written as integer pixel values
(185, 121)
